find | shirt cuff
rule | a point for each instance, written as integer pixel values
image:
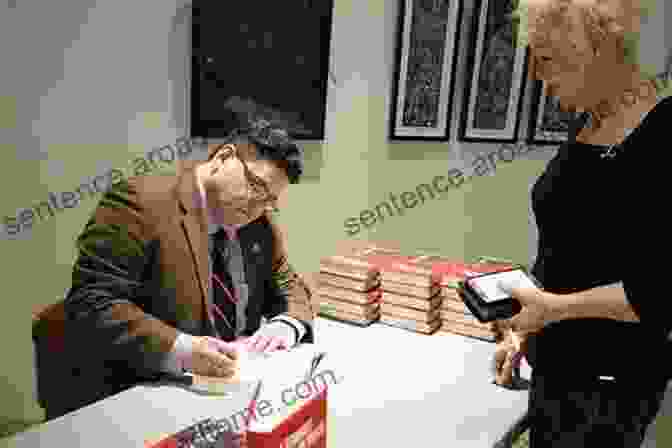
(178, 359)
(298, 326)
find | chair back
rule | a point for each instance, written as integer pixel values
(49, 326)
(52, 372)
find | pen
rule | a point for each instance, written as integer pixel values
(184, 379)
(314, 364)
(253, 404)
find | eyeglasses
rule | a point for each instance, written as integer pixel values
(258, 189)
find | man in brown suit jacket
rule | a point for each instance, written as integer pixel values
(143, 300)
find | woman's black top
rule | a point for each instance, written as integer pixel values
(601, 221)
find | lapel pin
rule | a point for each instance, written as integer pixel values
(256, 248)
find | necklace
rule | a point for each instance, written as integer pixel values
(594, 119)
(613, 150)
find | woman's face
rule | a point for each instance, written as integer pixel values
(561, 57)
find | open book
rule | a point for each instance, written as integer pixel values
(282, 381)
(289, 379)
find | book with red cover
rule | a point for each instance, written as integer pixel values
(450, 293)
(339, 281)
(449, 327)
(410, 313)
(351, 267)
(456, 306)
(327, 303)
(423, 292)
(349, 318)
(410, 324)
(410, 301)
(409, 273)
(451, 271)
(207, 433)
(358, 260)
(307, 427)
(304, 428)
(349, 295)
(462, 318)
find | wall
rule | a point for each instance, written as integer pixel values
(87, 86)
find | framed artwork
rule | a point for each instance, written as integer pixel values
(279, 74)
(428, 38)
(549, 125)
(496, 78)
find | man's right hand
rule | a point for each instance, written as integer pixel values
(214, 358)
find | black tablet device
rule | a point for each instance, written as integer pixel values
(484, 297)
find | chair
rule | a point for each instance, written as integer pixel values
(52, 370)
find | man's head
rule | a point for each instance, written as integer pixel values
(585, 50)
(246, 174)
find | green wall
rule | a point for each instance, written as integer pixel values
(78, 96)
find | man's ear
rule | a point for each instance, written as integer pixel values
(226, 150)
(219, 152)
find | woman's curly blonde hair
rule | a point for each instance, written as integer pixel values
(605, 20)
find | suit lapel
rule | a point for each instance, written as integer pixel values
(198, 244)
(195, 232)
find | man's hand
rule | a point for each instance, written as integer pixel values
(539, 308)
(212, 357)
(269, 338)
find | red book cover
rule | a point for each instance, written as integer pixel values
(303, 428)
(358, 260)
(407, 272)
(452, 271)
(386, 261)
(208, 433)
(361, 298)
(353, 267)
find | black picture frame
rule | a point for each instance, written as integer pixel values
(247, 62)
(484, 118)
(548, 124)
(428, 72)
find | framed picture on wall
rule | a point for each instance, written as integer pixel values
(549, 125)
(496, 76)
(428, 38)
(279, 74)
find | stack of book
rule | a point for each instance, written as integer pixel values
(349, 289)
(411, 296)
(454, 314)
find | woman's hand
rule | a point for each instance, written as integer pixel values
(507, 357)
(539, 308)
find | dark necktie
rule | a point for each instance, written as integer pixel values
(225, 324)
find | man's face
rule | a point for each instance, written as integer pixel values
(240, 187)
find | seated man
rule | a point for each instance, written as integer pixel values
(172, 270)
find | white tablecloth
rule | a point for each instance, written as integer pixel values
(401, 389)
(395, 389)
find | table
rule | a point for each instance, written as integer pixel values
(395, 389)
(400, 389)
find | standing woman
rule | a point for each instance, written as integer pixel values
(597, 332)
